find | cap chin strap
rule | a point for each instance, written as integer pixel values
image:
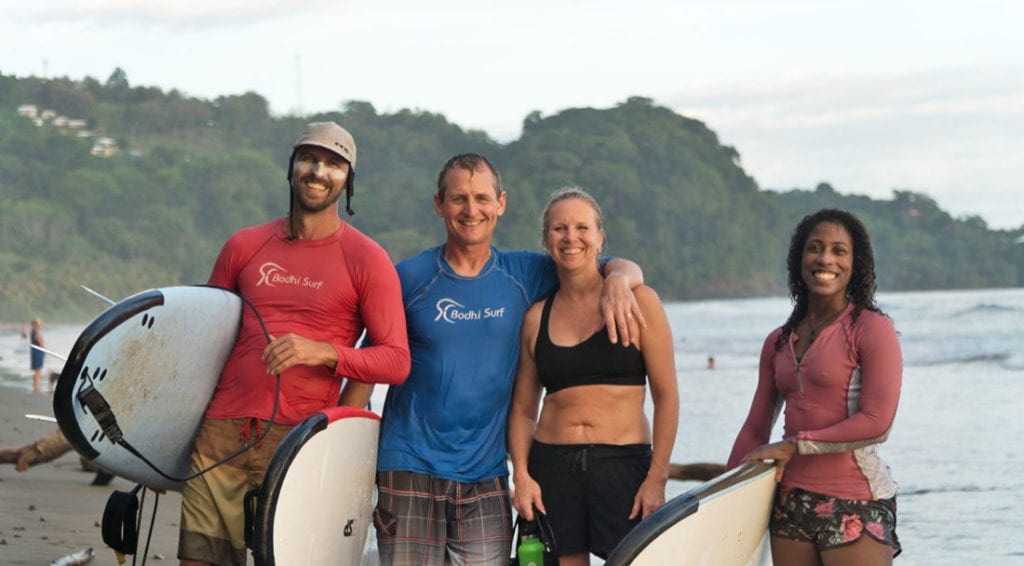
(291, 198)
(350, 187)
(291, 222)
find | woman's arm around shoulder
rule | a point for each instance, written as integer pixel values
(619, 308)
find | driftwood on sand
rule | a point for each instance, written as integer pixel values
(695, 472)
(44, 450)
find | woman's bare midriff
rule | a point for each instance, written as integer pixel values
(594, 414)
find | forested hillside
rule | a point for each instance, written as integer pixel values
(191, 171)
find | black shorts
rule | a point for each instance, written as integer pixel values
(588, 491)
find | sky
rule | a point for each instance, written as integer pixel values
(869, 96)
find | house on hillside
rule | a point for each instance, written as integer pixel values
(30, 111)
(104, 147)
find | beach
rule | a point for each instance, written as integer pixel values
(50, 510)
(954, 447)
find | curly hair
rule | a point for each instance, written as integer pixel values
(861, 289)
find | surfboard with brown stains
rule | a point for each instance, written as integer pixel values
(142, 373)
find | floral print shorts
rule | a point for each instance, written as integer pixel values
(830, 522)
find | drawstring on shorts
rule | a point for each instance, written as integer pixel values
(248, 431)
(579, 461)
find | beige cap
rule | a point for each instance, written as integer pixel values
(331, 137)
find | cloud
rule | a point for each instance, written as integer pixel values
(174, 14)
(952, 133)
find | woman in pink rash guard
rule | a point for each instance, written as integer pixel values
(836, 365)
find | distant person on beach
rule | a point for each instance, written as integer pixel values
(442, 476)
(317, 282)
(837, 366)
(711, 362)
(36, 356)
(587, 463)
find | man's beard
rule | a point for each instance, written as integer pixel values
(302, 205)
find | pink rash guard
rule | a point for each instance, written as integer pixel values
(840, 402)
(326, 290)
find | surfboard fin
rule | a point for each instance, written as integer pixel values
(98, 296)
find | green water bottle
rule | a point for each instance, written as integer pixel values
(531, 551)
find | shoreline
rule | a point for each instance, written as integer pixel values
(50, 510)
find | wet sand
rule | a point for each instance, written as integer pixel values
(50, 510)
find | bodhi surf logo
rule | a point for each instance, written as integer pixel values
(272, 275)
(450, 311)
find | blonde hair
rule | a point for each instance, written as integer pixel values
(566, 193)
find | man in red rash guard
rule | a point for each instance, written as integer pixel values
(317, 283)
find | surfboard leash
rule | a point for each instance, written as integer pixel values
(122, 517)
(122, 522)
(120, 441)
(101, 411)
(103, 414)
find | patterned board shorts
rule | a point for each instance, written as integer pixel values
(422, 519)
(830, 522)
(212, 511)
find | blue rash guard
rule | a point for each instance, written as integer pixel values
(449, 419)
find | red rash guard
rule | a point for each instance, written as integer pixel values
(327, 290)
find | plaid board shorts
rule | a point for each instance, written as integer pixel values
(831, 522)
(212, 514)
(421, 519)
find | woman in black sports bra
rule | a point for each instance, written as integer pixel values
(590, 462)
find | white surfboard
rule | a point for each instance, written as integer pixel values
(316, 502)
(149, 364)
(723, 522)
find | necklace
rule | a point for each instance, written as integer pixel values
(814, 329)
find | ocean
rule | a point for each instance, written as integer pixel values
(956, 447)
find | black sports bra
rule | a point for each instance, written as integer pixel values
(594, 361)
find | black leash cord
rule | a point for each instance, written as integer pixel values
(152, 522)
(130, 539)
(273, 415)
(127, 446)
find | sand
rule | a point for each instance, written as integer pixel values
(50, 510)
